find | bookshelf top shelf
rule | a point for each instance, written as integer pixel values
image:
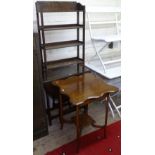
(47, 6)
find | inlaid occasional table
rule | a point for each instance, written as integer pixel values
(82, 90)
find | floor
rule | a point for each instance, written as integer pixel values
(57, 137)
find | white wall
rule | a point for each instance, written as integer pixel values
(58, 18)
(85, 2)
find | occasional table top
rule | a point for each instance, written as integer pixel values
(82, 87)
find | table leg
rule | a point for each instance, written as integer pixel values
(61, 112)
(106, 115)
(77, 128)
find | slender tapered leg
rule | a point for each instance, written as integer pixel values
(77, 128)
(106, 115)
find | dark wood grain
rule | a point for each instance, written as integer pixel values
(61, 6)
(47, 6)
(83, 90)
(83, 87)
(40, 128)
(63, 62)
(60, 27)
(62, 44)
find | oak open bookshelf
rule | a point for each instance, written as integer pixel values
(53, 7)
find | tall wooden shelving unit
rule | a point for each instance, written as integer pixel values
(53, 7)
(40, 125)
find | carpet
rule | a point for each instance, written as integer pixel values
(94, 143)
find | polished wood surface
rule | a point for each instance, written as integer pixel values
(84, 87)
(82, 90)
